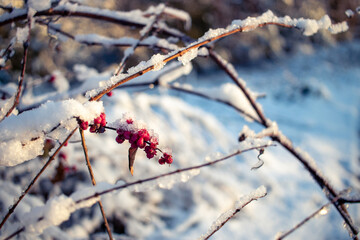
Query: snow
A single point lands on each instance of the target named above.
(22, 34)
(349, 13)
(256, 194)
(39, 5)
(188, 56)
(179, 14)
(339, 27)
(23, 136)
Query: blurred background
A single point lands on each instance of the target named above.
(245, 49)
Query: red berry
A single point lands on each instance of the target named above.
(140, 143)
(162, 161)
(97, 120)
(84, 125)
(52, 79)
(62, 156)
(109, 94)
(127, 135)
(93, 128)
(134, 137)
(119, 139)
(120, 131)
(103, 122)
(129, 121)
(65, 144)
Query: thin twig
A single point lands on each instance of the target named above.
(22, 75)
(11, 210)
(92, 13)
(93, 181)
(297, 226)
(97, 194)
(180, 53)
(285, 142)
(148, 27)
(237, 210)
(172, 173)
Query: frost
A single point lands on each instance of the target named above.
(22, 34)
(240, 204)
(39, 5)
(188, 56)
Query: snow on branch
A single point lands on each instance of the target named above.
(188, 53)
(23, 136)
(225, 217)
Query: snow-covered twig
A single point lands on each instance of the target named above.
(186, 54)
(283, 235)
(225, 217)
(238, 152)
(133, 18)
(12, 208)
(93, 181)
(307, 162)
(143, 33)
(16, 99)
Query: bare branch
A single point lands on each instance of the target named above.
(11, 209)
(93, 181)
(225, 217)
(297, 226)
(97, 194)
(285, 142)
(22, 75)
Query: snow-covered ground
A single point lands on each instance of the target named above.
(313, 97)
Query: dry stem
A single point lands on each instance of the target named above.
(93, 181)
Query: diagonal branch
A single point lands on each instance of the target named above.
(225, 217)
(93, 181)
(22, 75)
(143, 33)
(285, 142)
(297, 226)
(12, 208)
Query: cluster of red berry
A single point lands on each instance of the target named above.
(141, 139)
(98, 126)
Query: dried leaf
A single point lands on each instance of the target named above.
(132, 154)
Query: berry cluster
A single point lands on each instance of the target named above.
(139, 137)
(98, 126)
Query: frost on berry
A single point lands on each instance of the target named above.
(139, 136)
